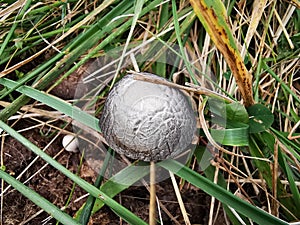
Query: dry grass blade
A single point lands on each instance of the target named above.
(255, 19)
(6, 12)
(179, 198)
(290, 136)
(213, 200)
(275, 171)
(282, 27)
(295, 3)
(193, 88)
(137, 11)
(214, 19)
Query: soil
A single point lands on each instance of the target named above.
(55, 187)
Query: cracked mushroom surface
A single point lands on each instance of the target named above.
(147, 121)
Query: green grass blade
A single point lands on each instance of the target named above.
(90, 202)
(286, 168)
(293, 147)
(120, 182)
(13, 27)
(38, 200)
(263, 167)
(224, 196)
(56, 103)
(177, 32)
(231, 137)
(116, 207)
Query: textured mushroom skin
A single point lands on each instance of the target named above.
(147, 121)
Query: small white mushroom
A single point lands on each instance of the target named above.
(70, 143)
(147, 121)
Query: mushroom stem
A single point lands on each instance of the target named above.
(152, 214)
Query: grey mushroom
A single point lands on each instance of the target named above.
(147, 121)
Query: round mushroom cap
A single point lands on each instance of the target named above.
(70, 143)
(147, 121)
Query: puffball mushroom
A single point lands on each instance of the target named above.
(70, 143)
(147, 121)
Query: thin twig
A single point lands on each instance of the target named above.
(180, 202)
(152, 207)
